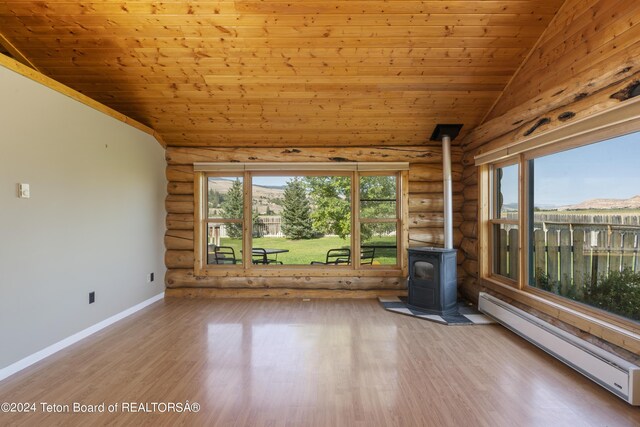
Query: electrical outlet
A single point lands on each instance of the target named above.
(23, 191)
(92, 297)
(150, 277)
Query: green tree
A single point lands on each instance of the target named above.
(258, 224)
(296, 212)
(331, 198)
(232, 208)
(215, 198)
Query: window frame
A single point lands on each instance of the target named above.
(202, 220)
(606, 125)
(397, 220)
(247, 171)
(296, 173)
(494, 220)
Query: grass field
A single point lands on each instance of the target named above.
(303, 252)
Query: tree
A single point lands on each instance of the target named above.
(215, 198)
(331, 198)
(258, 224)
(377, 200)
(296, 212)
(232, 208)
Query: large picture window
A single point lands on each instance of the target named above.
(297, 219)
(577, 228)
(585, 225)
(267, 218)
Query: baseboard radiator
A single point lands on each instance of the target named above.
(610, 371)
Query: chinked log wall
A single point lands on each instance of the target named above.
(425, 208)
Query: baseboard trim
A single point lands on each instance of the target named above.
(280, 293)
(54, 348)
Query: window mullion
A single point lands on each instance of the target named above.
(247, 217)
(200, 236)
(355, 221)
(523, 218)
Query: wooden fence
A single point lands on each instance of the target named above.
(570, 253)
(267, 226)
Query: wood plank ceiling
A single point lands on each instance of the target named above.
(276, 73)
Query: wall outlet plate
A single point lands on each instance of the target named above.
(24, 191)
(92, 297)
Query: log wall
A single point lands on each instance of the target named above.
(426, 217)
(587, 61)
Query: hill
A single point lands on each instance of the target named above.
(263, 197)
(604, 204)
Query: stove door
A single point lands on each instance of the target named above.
(424, 270)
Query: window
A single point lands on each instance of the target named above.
(379, 220)
(586, 225)
(260, 217)
(224, 224)
(578, 225)
(505, 241)
(297, 219)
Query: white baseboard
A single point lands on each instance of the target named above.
(54, 348)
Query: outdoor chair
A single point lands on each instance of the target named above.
(336, 257)
(259, 256)
(223, 255)
(367, 255)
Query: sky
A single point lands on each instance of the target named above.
(605, 170)
(271, 180)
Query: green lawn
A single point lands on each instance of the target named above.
(303, 252)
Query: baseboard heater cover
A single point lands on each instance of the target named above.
(608, 370)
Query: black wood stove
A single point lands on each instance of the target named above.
(432, 280)
(432, 271)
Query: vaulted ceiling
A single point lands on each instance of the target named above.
(278, 73)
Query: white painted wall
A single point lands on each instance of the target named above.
(94, 222)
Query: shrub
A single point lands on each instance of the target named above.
(616, 292)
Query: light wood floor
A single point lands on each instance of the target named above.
(319, 363)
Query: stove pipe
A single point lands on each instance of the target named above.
(448, 194)
(447, 133)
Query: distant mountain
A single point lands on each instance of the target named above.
(263, 196)
(603, 204)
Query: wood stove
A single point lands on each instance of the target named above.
(432, 271)
(432, 280)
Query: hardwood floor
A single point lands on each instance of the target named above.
(319, 363)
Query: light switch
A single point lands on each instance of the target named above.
(23, 191)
